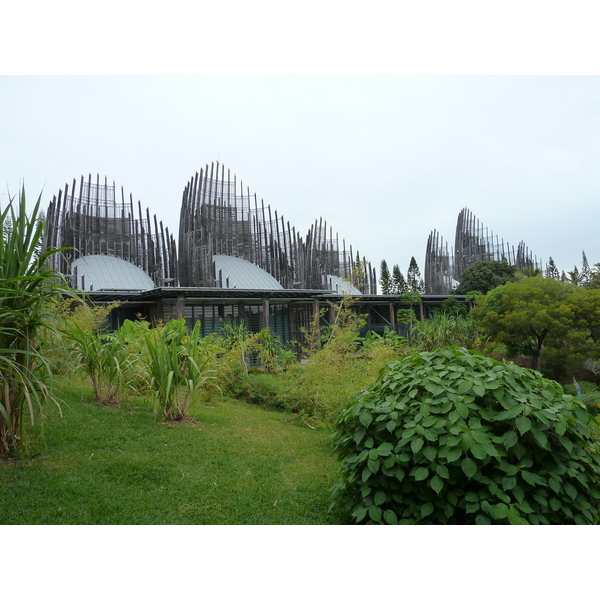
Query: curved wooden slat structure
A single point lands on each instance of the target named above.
(473, 242)
(90, 221)
(219, 217)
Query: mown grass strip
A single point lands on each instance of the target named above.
(237, 464)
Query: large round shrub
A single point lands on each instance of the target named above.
(451, 437)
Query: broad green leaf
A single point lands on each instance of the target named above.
(554, 485)
(453, 417)
(430, 453)
(469, 467)
(514, 517)
(479, 451)
(472, 497)
(416, 444)
(454, 454)
(389, 516)
(427, 509)
(567, 443)
(380, 497)
(464, 386)
(513, 411)
(436, 484)
(375, 513)
(442, 471)
(510, 439)
(523, 424)
(480, 436)
(560, 428)
(360, 513)
(508, 483)
(482, 519)
(555, 504)
(462, 410)
(421, 473)
(365, 418)
(431, 435)
(570, 489)
(540, 437)
(373, 465)
(385, 449)
(501, 511)
(466, 441)
(532, 478)
(430, 421)
(360, 433)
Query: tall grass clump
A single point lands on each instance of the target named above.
(446, 329)
(28, 293)
(98, 354)
(177, 363)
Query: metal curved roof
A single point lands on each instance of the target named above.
(234, 272)
(341, 286)
(100, 272)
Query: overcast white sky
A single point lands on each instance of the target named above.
(384, 159)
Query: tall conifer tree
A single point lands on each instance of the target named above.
(385, 280)
(398, 281)
(414, 281)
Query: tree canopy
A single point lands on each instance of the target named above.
(541, 316)
(484, 276)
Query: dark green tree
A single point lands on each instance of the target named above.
(414, 282)
(586, 272)
(398, 281)
(528, 316)
(484, 276)
(552, 270)
(451, 306)
(385, 281)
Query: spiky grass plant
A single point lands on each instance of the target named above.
(28, 291)
(93, 351)
(177, 366)
(445, 329)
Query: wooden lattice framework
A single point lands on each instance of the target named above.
(91, 221)
(219, 217)
(473, 242)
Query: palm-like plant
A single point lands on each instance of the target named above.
(177, 367)
(28, 289)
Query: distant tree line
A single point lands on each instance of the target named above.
(395, 283)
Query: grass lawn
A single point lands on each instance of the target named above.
(238, 464)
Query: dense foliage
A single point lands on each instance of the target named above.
(450, 437)
(555, 323)
(484, 276)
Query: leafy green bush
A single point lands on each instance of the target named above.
(450, 437)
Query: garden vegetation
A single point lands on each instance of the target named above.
(437, 426)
